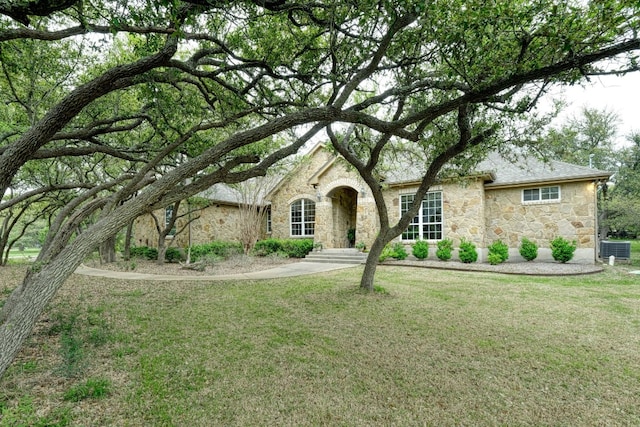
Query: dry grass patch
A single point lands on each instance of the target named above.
(439, 348)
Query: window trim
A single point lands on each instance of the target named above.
(421, 224)
(303, 214)
(541, 196)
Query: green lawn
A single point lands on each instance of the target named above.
(25, 254)
(635, 252)
(433, 348)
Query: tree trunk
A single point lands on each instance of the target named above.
(108, 250)
(368, 275)
(127, 242)
(162, 249)
(24, 306)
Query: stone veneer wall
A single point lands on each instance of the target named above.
(463, 213)
(216, 222)
(573, 217)
(296, 185)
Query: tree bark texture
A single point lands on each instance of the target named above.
(368, 275)
(108, 250)
(127, 242)
(22, 310)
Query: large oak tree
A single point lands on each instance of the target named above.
(214, 90)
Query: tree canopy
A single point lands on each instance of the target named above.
(142, 104)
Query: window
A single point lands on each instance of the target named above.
(427, 224)
(168, 214)
(303, 217)
(268, 214)
(541, 194)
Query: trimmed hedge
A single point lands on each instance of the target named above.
(218, 248)
(467, 252)
(144, 252)
(445, 248)
(528, 249)
(395, 251)
(293, 248)
(562, 250)
(173, 255)
(399, 251)
(420, 249)
(498, 252)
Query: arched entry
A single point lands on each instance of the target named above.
(344, 207)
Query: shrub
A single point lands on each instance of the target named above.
(494, 258)
(399, 251)
(293, 248)
(528, 249)
(216, 248)
(297, 248)
(467, 252)
(144, 252)
(445, 248)
(173, 255)
(420, 249)
(387, 252)
(500, 250)
(267, 247)
(562, 250)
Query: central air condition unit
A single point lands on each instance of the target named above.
(617, 249)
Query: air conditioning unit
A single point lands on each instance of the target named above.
(617, 249)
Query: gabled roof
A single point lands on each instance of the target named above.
(500, 172)
(221, 193)
(535, 171)
(495, 170)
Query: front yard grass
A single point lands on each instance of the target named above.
(434, 348)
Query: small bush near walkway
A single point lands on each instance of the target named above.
(293, 248)
(395, 251)
(144, 252)
(217, 248)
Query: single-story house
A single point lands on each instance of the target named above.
(324, 199)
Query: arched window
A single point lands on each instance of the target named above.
(303, 217)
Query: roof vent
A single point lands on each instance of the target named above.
(617, 249)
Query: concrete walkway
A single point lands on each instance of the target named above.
(286, 270)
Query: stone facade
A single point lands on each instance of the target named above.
(463, 212)
(341, 201)
(480, 209)
(509, 219)
(217, 222)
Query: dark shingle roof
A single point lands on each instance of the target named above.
(531, 170)
(221, 193)
(504, 172)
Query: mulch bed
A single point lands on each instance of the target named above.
(521, 268)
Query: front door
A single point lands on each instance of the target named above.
(344, 202)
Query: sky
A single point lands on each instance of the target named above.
(617, 94)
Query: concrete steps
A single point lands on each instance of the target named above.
(337, 256)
